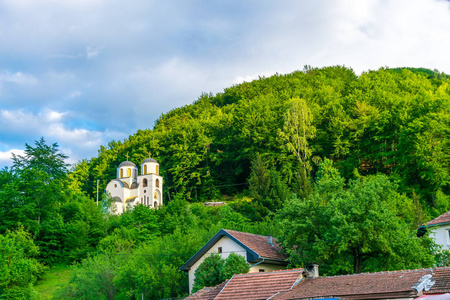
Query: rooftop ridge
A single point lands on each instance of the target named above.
(271, 272)
(242, 232)
(381, 272)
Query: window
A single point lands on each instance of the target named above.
(135, 173)
(121, 173)
(219, 250)
(157, 170)
(128, 172)
(261, 270)
(145, 183)
(115, 186)
(155, 204)
(155, 195)
(157, 183)
(145, 169)
(145, 191)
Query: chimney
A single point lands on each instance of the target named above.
(270, 237)
(311, 271)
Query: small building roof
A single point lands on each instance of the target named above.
(127, 164)
(442, 219)
(359, 286)
(261, 285)
(257, 247)
(442, 281)
(207, 293)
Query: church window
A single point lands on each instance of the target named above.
(135, 173)
(155, 195)
(121, 173)
(145, 169)
(128, 172)
(157, 183)
(157, 170)
(115, 186)
(145, 191)
(145, 182)
(155, 204)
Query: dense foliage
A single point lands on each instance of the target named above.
(215, 270)
(341, 168)
(394, 122)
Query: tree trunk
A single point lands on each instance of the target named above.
(357, 260)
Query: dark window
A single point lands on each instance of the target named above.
(144, 182)
(219, 249)
(261, 270)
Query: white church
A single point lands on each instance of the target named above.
(130, 189)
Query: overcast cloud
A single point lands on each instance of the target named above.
(84, 72)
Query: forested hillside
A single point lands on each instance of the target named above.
(393, 122)
(341, 168)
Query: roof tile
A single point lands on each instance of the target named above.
(260, 244)
(444, 218)
(262, 285)
(357, 284)
(442, 281)
(207, 293)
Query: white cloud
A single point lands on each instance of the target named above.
(5, 157)
(72, 68)
(19, 78)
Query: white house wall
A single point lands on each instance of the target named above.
(266, 268)
(440, 235)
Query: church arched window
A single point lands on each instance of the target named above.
(155, 204)
(135, 173)
(121, 173)
(145, 169)
(128, 172)
(145, 183)
(155, 195)
(157, 183)
(157, 170)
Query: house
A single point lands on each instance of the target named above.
(130, 189)
(251, 286)
(261, 252)
(439, 229)
(426, 284)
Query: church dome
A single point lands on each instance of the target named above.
(149, 160)
(127, 164)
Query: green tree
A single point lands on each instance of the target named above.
(92, 279)
(234, 264)
(19, 267)
(298, 130)
(209, 272)
(357, 228)
(42, 157)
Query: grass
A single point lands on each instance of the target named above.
(52, 279)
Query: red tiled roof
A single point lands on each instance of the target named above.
(445, 218)
(357, 285)
(441, 277)
(253, 286)
(207, 293)
(259, 244)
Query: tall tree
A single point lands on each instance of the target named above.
(298, 130)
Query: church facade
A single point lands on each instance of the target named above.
(130, 189)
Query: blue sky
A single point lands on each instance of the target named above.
(84, 72)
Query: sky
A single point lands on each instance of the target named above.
(82, 73)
